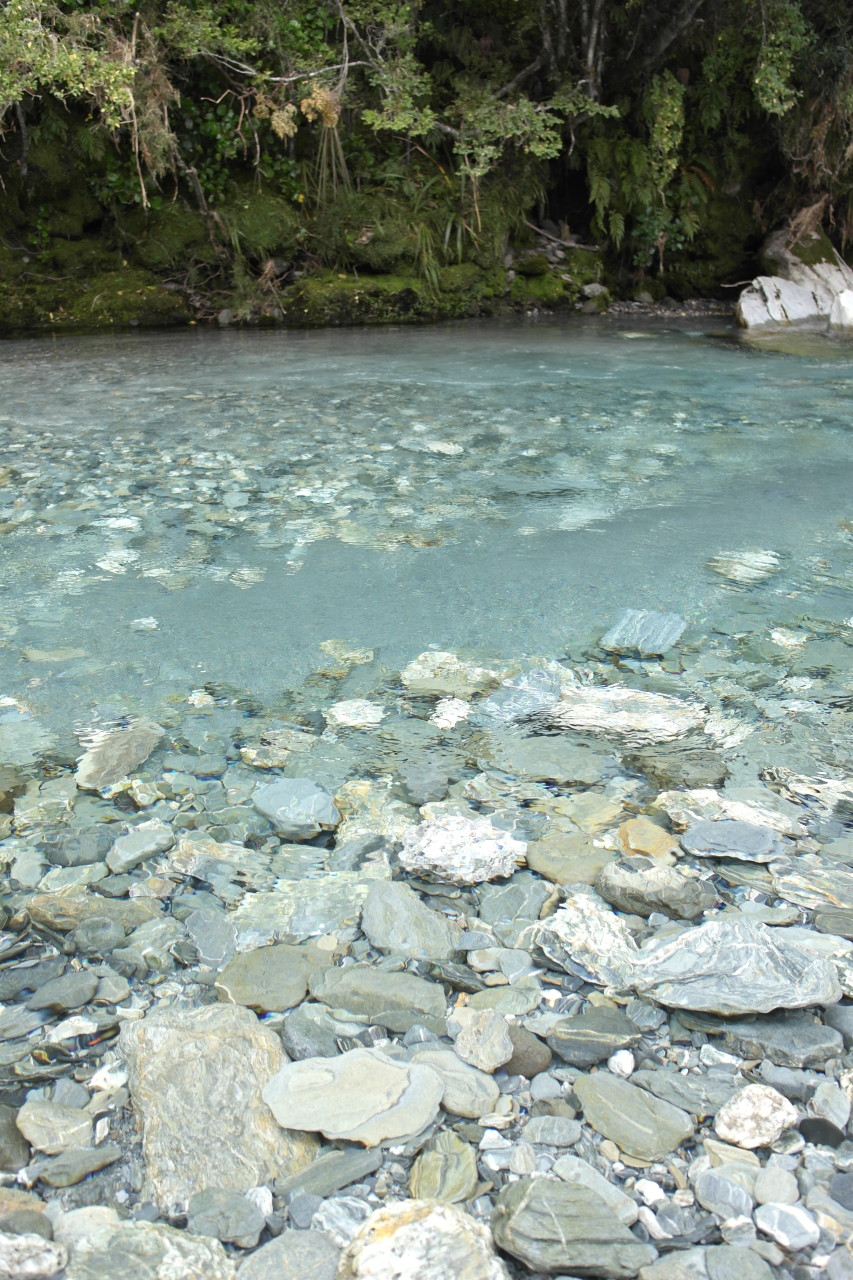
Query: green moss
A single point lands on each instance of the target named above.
(84, 258)
(173, 236)
(814, 249)
(331, 298)
(262, 224)
(112, 299)
(540, 291)
(536, 264)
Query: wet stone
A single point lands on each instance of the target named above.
(458, 850)
(394, 919)
(557, 1226)
(115, 754)
(78, 848)
(679, 767)
(545, 759)
(641, 887)
(64, 994)
(297, 808)
(839, 922)
(268, 979)
(97, 936)
(592, 1037)
(729, 838)
(788, 1042)
(225, 1216)
(142, 842)
(644, 632)
(734, 966)
(640, 1124)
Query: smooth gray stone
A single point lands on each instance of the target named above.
(787, 1081)
(840, 1016)
(546, 759)
(565, 1227)
(28, 977)
(671, 767)
(67, 993)
(79, 848)
(76, 1163)
(591, 1037)
(395, 920)
(294, 1255)
(552, 1131)
(729, 838)
(117, 754)
(523, 898)
(641, 886)
(467, 1091)
(700, 1096)
(97, 936)
(214, 936)
(839, 922)
(419, 785)
(733, 1262)
(269, 979)
(788, 1224)
(640, 1124)
(330, 1173)
(14, 1148)
(776, 1186)
(396, 1001)
(297, 808)
(787, 1042)
(721, 1195)
(361, 1096)
(340, 1217)
(26, 1222)
(310, 1031)
(225, 1216)
(734, 966)
(643, 631)
(573, 1169)
(144, 841)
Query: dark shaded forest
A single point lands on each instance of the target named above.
(327, 161)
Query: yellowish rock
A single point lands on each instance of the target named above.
(642, 835)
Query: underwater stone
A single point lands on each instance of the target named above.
(297, 808)
(643, 631)
(637, 716)
(461, 850)
(729, 838)
(114, 754)
(734, 966)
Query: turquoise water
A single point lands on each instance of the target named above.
(189, 507)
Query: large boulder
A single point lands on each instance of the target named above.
(806, 284)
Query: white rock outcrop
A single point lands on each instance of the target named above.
(811, 286)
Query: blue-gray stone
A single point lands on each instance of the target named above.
(643, 631)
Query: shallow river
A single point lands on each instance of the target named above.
(204, 506)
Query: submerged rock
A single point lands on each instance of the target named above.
(586, 938)
(445, 674)
(643, 631)
(728, 838)
(297, 808)
(461, 850)
(635, 716)
(745, 567)
(114, 754)
(734, 966)
(395, 920)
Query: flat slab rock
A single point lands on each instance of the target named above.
(421, 1238)
(565, 1227)
(361, 1096)
(734, 966)
(640, 1124)
(113, 755)
(643, 631)
(392, 1000)
(730, 838)
(294, 1255)
(787, 1042)
(195, 1078)
(394, 919)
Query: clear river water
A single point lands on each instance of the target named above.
(189, 507)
